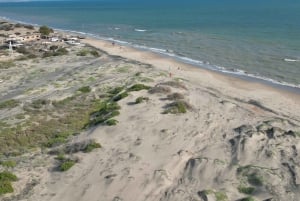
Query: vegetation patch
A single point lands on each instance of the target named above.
(8, 164)
(120, 96)
(247, 199)
(85, 89)
(106, 111)
(39, 103)
(9, 104)
(141, 99)
(160, 89)
(83, 146)
(5, 182)
(177, 107)
(66, 165)
(7, 64)
(252, 175)
(111, 122)
(246, 190)
(138, 87)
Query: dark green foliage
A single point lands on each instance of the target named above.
(141, 99)
(177, 107)
(221, 196)
(107, 110)
(22, 50)
(28, 26)
(8, 164)
(58, 139)
(7, 176)
(255, 179)
(60, 51)
(5, 187)
(138, 87)
(247, 199)
(44, 30)
(66, 165)
(116, 90)
(85, 89)
(120, 96)
(9, 104)
(94, 53)
(82, 53)
(39, 103)
(91, 146)
(111, 122)
(246, 190)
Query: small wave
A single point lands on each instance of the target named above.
(291, 60)
(140, 30)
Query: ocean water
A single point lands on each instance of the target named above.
(257, 38)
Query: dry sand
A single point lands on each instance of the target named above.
(237, 134)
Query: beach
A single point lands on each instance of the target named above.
(189, 134)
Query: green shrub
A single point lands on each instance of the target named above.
(8, 164)
(94, 53)
(5, 187)
(255, 179)
(111, 122)
(60, 52)
(116, 90)
(246, 190)
(82, 53)
(120, 96)
(247, 199)
(85, 89)
(56, 141)
(141, 99)
(138, 87)
(9, 104)
(177, 107)
(91, 146)
(7, 176)
(66, 165)
(221, 196)
(44, 30)
(39, 103)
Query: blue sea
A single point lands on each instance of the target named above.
(256, 38)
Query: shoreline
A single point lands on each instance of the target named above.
(236, 73)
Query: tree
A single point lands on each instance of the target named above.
(44, 30)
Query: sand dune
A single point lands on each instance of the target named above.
(235, 136)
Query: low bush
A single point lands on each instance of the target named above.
(5, 187)
(82, 53)
(111, 122)
(9, 104)
(141, 99)
(138, 87)
(85, 89)
(120, 96)
(247, 199)
(83, 146)
(8, 164)
(7, 176)
(246, 190)
(66, 165)
(95, 53)
(177, 107)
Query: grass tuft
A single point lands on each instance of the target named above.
(85, 89)
(9, 104)
(246, 190)
(138, 87)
